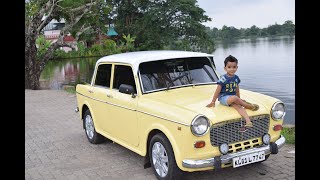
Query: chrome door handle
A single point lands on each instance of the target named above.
(109, 96)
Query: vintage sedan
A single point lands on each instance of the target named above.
(154, 103)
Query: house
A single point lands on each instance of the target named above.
(52, 31)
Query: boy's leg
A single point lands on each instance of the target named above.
(238, 101)
(242, 112)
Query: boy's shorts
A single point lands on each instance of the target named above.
(223, 100)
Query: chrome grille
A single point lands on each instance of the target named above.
(228, 132)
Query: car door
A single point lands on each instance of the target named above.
(100, 91)
(124, 117)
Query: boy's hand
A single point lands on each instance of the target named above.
(212, 104)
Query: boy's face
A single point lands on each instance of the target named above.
(231, 68)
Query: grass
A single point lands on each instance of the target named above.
(70, 89)
(289, 133)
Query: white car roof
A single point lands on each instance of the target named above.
(137, 57)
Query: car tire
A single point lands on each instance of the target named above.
(162, 158)
(90, 130)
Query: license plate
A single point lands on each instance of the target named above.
(248, 159)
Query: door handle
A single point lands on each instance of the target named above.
(90, 91)
(109, 96)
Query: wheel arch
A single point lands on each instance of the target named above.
(169, 136)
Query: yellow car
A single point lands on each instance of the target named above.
(154, 103)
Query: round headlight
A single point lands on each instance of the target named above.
(278, 111)
(266, 138)
(199, 125)
(224, 148)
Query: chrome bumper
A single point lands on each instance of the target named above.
(228, 157)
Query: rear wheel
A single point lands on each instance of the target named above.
(162, 158)
(92, 135)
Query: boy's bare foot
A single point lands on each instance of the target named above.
(254, 107)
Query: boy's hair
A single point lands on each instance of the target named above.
(230, 59)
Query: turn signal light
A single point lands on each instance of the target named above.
(277, 127)
(199, 144)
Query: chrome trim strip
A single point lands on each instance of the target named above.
(203, 163)
(135, 110)
(163, 118)
(121, 106)
(93, 98)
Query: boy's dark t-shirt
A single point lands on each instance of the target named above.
(229, 85)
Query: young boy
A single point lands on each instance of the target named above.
(228, 93)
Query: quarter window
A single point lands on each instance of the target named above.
(103, 75)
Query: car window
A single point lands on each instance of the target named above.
(103, 75)
(164, 74)
(123, 75)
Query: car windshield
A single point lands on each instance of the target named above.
(172, 73)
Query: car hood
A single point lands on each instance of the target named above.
(194, 99)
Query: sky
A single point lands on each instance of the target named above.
(246, 13)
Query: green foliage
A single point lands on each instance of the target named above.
(129, 44)
(289, 133)
(107, 47)
(42, 45)
(81, 49)
(157, 24)
(228, 33)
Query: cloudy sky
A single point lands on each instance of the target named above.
(245, 13)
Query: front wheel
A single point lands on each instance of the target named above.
(162, 158)
(92, 135)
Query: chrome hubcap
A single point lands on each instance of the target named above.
(89, 127)
(160, 159)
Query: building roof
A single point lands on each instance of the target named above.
(135, 58)
(111, 32)
(68, 38)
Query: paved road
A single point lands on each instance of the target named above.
(56, 148)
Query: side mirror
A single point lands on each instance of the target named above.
(127, 89)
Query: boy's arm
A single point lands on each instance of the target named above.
(215, 96)
(238, 91)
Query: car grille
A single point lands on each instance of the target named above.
(228, 132)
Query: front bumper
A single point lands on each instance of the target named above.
(211, 162)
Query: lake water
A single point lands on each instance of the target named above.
(266, 65)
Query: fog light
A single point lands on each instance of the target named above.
(224, 148)
(266, 139)
(199, 144)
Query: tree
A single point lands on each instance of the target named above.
(288, 28)
(158, 23)
(254, 31)
(274, 29)
(39, 13)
